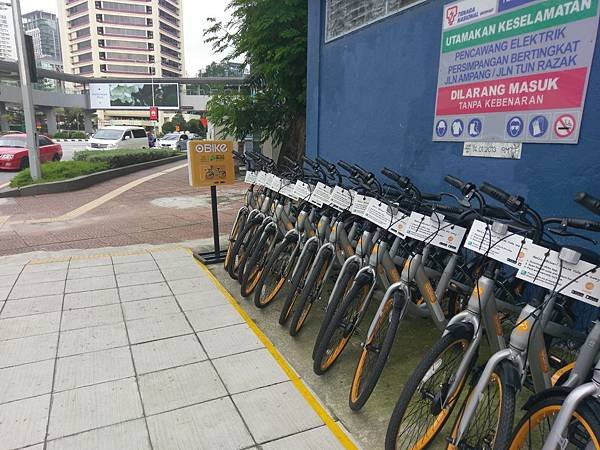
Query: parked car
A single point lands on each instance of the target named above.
(118, 137)
(13, 151)
(169, 140)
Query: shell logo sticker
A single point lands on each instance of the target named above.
(523, 326)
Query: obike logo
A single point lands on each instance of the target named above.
(589, 286)
(451, 14)
(211, 148)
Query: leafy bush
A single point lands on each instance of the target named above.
(77, 135)
(61, 135)
(121, 158)
(56, 171)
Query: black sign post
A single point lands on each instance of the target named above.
(218, 255)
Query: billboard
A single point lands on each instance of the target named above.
(514, 70)
(134, 95)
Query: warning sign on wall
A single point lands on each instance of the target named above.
(514, 70)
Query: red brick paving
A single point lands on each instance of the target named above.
(130, 218)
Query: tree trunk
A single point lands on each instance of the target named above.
(295, 140)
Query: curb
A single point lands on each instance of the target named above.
(69, 140)
(85, 181)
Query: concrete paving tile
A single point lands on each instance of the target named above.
(210, 425)
(130, 435)
(229, 340)
(4, 291)
(91, 298)
(23, 422)
(123, 259)
(10, 269)
(78, 263)
(92, 339)
(28, 349)
(250, 370)
(132, 279)
(199, 300)
(42, 277)
(316, 439)
(37, 289)
(18, 327)
(180, 386)
(167, 353)
(34, 447)
(91, 284)
(45, 267)
(94, 406)
(191, 270)
(141, 292)
(152, 328)
(275, 411)
(91, 317)
(174, 263)
(29, 306)
(93, 368)
(28, 380)
(8, 280)
(140, 309)
(135, 267)
(89, 272)
(197, 284)
(177, 252)
(214, 317)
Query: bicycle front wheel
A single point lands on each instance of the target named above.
(424, 407)
(583, 431)
(492, 421)
(235, 231)
(276, 273)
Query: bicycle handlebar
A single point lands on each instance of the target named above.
(495, 192)
(403, 182)
(589, 202)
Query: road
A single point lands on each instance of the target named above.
(68, 149)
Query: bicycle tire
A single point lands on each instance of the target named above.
(235, 231)
(277, 267)
(251, 248)
(239, 249)
(345, 281)
(497, 424)
(296, 283)
(366, 376)
(416, 392)
(326, 353)
(314, 282)
(257, 262)
(584, 422)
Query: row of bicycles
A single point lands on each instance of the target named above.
(513, 295)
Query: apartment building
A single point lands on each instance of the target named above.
(117, 38)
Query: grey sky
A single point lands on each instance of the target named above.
(197, 53)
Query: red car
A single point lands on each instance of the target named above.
(13, 154)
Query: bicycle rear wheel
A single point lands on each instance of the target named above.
(492, 422)
(235, 231)
(312, 288)
(583, 431)
(257, 262)
(240, 249)
(375, 353)
(342, 326)
(276, 273)
(423, 408)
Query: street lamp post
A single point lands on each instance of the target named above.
(27, 93)
(154, 122)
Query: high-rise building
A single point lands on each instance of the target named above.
(43, 28)
(122, 38)
(8, 47)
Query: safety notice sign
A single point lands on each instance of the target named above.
(514, 70)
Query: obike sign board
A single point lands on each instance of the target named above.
(210, 163)
(514, 70)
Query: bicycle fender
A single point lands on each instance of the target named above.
(550, 392)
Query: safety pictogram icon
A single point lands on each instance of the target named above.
(565, 125)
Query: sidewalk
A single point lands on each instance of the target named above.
(141, 348)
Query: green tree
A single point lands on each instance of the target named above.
(168, 127)
(195, 126)
(270, 36)
(178, 120)
(214, 69)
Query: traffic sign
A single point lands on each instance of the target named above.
(514, 127)
(565, 125)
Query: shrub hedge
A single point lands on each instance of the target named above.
(121, 158)
(57, 171)
(70, 135)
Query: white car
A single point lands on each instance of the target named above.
(112, 138)
(169, 140)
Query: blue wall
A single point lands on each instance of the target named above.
(371, 99)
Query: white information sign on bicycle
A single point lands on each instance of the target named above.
(340, 199)
(509, 248)
(360, 203)
(269, 180)
(261, 178)
(302, 190)
(287, 189)
(320, 195)
(379, 213)
(435, 231)
(250, 177)
(543, 266)
(275, 183)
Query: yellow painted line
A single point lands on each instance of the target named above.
(304, 391)
(77, 212)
